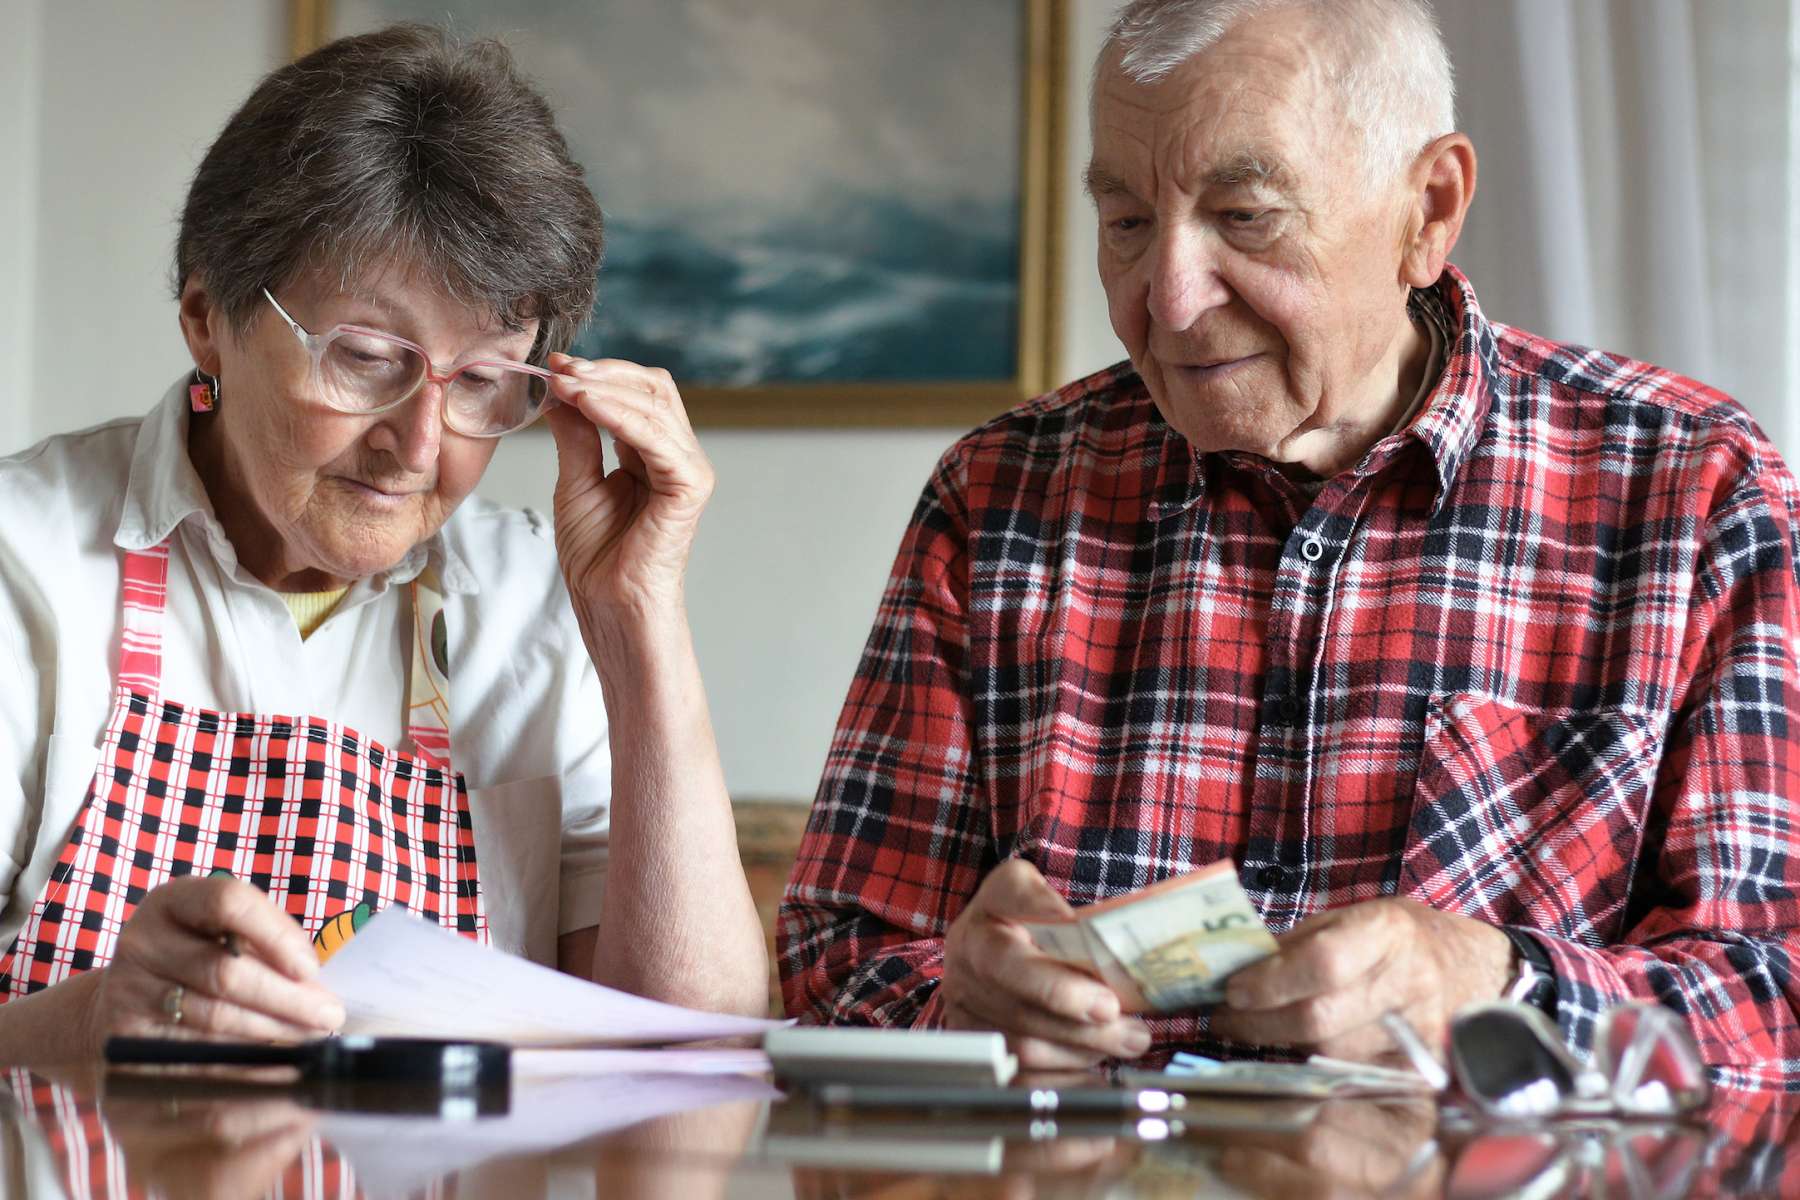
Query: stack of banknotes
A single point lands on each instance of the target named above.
(1167, 947)
(1171, 947)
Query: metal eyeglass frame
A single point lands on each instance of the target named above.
(1567, 1087)
(316, 344)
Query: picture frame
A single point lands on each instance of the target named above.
(865, 397)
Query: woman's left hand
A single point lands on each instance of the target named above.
(623, 536)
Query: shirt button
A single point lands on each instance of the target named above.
(1312, 549)
(1288, 707)
(1271, 877)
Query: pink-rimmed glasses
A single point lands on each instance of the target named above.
(366, 372)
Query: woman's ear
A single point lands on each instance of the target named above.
(1442, 184)
(202, 325)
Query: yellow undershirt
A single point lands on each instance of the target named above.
(311, 608)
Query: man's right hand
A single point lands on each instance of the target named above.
(1054, 1016)
(243, 968)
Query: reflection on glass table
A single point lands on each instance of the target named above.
(733, 1136)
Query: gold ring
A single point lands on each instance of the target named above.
(172, 1004)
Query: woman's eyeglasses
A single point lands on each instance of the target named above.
(366, 372)
(1510, 1062)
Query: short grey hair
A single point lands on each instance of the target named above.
(408, 148)
(1395, 77)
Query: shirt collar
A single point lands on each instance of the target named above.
(1452, 418)
(1447, 424)
(1152, 447)
(164, 490)
(1180, 471)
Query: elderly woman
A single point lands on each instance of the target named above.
(323, 680)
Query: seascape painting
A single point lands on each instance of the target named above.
(797, 192)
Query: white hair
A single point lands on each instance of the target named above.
(1394, 70)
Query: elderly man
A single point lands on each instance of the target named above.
(1471, 650)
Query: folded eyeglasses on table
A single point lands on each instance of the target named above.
(1509, 1060)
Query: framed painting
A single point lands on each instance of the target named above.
(818, 212)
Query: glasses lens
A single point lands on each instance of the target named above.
(364, 372)
(1650, 1056)
(488, 399)
(1505, 1065)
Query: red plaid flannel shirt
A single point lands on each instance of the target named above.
(1531, 660)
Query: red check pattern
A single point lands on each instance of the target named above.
(1531, 660)
(153, 1151)
(1755, 1148)
(316, 816)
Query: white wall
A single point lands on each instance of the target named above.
(1087, 341)
(20, 37)
(131, 94)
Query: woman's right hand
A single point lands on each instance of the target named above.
(623, 536)
(244, 969)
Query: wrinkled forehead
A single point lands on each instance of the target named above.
(399, 297)
(407, 291)
(1259, 104)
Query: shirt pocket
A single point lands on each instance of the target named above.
(1530, 816)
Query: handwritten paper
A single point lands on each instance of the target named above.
(402, 976)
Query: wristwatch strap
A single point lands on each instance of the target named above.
(1535, 982)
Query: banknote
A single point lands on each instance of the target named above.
(1075, 943)
(1167, 947)
(1317, 1078)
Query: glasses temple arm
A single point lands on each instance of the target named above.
(1415, 1049)
(299, 332)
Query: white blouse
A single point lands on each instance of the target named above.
(527, 727)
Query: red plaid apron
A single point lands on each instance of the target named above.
(331, 825)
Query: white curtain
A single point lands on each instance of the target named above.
(1639, 179)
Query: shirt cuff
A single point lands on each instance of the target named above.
(1586, 986)
(1537, 974)
(931, 1014)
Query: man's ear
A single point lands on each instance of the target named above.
(202, 325)
(1441, 183)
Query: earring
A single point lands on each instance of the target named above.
(203, 393)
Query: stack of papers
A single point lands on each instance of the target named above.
(583, 1069)
(404, 977)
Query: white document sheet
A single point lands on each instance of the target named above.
(403, 976)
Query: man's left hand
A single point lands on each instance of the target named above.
(1338, 972)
